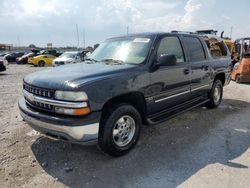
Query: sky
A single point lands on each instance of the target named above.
(24, 22)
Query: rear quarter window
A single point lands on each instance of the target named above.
(217, 48)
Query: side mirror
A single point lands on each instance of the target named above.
(167, 60)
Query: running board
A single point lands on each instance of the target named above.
(172, 112)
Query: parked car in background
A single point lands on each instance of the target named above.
(3, 64)
(41, 60)
(126, 82)
(11, 57)
(4, 54)
(68, 57)
(241, 69)
(51, 52)
(24, 58)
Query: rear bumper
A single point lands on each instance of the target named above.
(83, 130)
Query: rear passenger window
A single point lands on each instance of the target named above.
(171, 46)
(195, 49)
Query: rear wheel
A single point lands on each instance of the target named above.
(237, 79)
(215, 95)
(120, 130)
(41, 63)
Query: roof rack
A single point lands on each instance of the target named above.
(183, 32)
(207, 31)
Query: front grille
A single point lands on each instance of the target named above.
(40, 106)
(46, 93)
(39, 91)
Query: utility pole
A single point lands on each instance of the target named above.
(18, 42)
(77, 35)
(83, 38)
(127, 30)
(231, 32)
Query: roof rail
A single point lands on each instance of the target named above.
(183, 32)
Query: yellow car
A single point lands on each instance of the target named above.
(41, 60)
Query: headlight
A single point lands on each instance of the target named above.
(71, 95)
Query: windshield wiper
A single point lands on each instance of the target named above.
(114, 61)
(91, 60)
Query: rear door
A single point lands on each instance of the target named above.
(170, 85)
(200, 66)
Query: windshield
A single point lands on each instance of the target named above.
(69, 54)
(126, 50)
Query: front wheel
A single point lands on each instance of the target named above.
(215, 95)
(120, 130)
(41, 63)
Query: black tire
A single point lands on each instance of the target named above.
(41, 63)
(214, 99)
(107, 141)
(237, 79)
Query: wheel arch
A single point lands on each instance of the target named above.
(135, 99)
(220, 76)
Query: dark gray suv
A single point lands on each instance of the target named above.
(126, 82)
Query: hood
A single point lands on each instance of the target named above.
(63, 59)
(72, 76)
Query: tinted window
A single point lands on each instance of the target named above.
(195, 49)
(171, 46)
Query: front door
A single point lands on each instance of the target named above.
(170, 85)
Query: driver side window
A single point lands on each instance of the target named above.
(171, 46)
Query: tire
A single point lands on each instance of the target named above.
(237, 79)
(119, 130)
(215, 95)
(41, 63)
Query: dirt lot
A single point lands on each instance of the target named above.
(201, 148)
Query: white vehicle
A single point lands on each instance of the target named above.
(68, 57)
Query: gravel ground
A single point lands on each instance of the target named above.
(201, 148)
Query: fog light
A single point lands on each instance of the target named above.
(70, 111)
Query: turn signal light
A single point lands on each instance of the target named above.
(81, 111)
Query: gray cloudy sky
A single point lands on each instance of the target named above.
(42, 21)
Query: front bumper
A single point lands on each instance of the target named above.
(83, 130)
(2, 67)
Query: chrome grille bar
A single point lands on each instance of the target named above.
(33, 98)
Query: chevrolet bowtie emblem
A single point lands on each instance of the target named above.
(29, 96)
